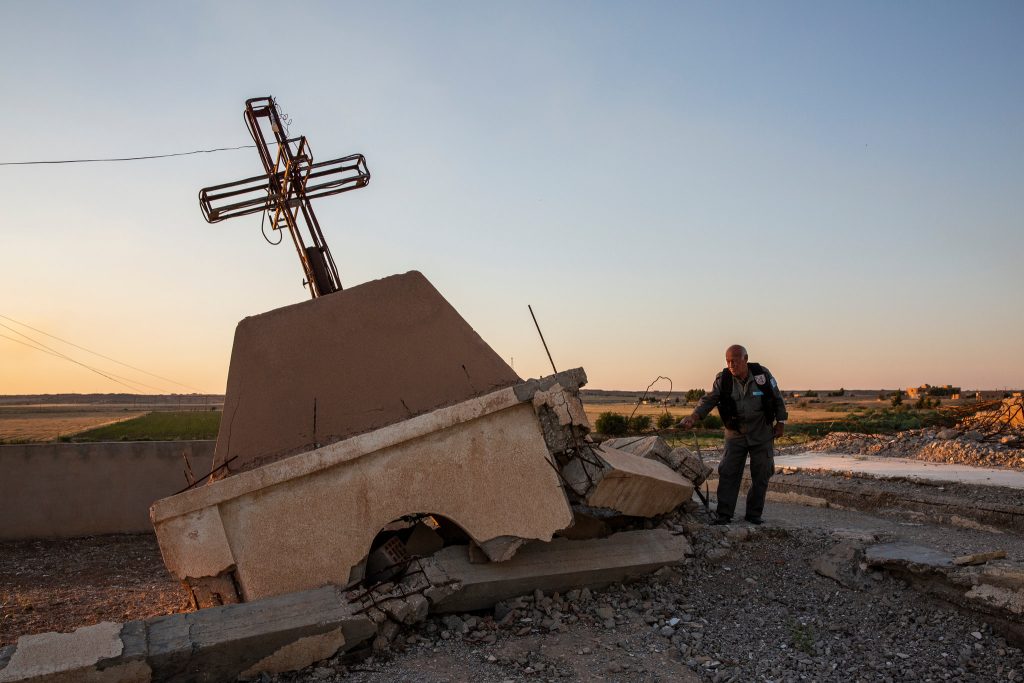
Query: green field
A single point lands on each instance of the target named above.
(157, 426)
(858, 419)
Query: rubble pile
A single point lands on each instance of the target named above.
(947, 445)
(828, 630)
(993, 438)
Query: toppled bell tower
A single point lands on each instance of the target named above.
(371, 428)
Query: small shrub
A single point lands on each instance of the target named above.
(611, 424)
(711, 422)
(666, 420)
(802, 637)
(639, 423)
(897, 398)
(811, 394)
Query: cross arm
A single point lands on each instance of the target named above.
(259, 193)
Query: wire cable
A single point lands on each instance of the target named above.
(109, 375)
(54, 353)
(149, 156)
(96, 353)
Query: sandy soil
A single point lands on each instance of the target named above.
(59, 585)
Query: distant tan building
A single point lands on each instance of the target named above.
(989, 394)
(929, 390)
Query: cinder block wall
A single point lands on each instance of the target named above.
(62, 490)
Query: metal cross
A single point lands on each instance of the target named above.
(290, 182)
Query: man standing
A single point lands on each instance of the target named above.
(754, 414)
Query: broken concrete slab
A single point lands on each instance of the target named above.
(307, 520)
(978, 558)
(75, 656)
(689, 465)
(222, 642)
(297, 655)
(636, 486)
(859, 492)
(994, 591)
(686, 463)
(1000, 588)
(842, 564)
(560, 411)
(650, 447)
(314, 373)
(219, 644)
(560, 565)
(913, 557)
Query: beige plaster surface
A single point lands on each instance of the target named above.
(63, 490)
(298, 654)
(205, 551)
(356, 360)
(72, 657)
(304, 464)
(637, 486)
(305, 521)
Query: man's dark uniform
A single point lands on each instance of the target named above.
(749, 420)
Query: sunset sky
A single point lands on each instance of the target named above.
(838, 186)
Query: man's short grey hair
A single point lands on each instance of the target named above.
(737, 346)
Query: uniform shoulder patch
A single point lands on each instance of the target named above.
(760, 379)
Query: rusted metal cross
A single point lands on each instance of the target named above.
(292, 179)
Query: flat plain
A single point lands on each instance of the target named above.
(24, 424)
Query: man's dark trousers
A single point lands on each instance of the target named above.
(730, 475)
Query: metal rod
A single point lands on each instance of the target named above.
(542, 339)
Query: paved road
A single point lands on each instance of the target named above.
(894, 525)
(902, 467)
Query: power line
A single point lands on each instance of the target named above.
(97, 353)
(59, 355)
(150, 156)
(127, 381)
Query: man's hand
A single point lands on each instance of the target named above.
(688, 422)
(780, 428)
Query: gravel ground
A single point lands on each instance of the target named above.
(748, 607)
(59, 585)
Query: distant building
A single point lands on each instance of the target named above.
(929, 390)
(989, 394)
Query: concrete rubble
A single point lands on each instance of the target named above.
(982, 583)
(681, 459)
(216, 644)
(992, 438)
